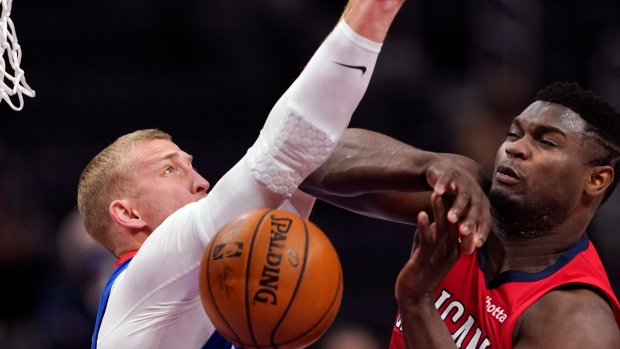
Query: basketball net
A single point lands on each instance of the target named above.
(11, 84)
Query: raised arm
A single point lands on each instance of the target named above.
(306, 123)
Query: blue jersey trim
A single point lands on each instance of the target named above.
(105, 295)
(216, 341)
(520, 276)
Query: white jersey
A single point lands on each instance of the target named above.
(155, 302)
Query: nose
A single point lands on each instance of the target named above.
(200, 185)
(518, 149)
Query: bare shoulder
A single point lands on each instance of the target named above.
(576, 317)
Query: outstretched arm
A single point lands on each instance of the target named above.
(379, 176)
(306, 123)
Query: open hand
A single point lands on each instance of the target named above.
(470, 205)
(437, 251)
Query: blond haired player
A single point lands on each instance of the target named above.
(142, 200)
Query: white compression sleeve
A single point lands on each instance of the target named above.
(308, 120)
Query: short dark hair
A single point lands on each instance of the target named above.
(602, 118)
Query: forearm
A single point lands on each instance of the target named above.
(366, 161)
(423, 328)
(336, 78)
(328, 90)
(392, 206)
(378, 176)
(306, 123)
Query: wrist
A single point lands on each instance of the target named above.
(419, 307)
(437, 165)
(371, 18)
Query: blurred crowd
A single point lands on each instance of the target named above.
(451, 76)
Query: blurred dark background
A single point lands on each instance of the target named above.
(451, 76)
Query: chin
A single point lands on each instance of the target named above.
(520, 215)
(501, 200)
(507, 206)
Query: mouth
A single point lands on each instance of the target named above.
(507, 174)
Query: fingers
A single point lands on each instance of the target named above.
(416, 240)
(445, 231)
(431, 261)
(459, 189)
(470, 206)
(477, 221)
(463, 204)
(465, 196)
(484, 224)
(444, 183)
(425, 235)
(468, 244)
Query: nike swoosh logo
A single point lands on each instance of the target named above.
(359, 67)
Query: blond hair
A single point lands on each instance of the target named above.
(107, 175)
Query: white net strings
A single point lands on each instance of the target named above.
(15, 84)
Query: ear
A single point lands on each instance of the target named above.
(123, 214)
(600, 179)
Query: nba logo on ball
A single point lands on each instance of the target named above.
(271, 279)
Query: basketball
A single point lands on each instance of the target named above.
(270, 279)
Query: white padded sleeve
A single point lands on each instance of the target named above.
(300, 132)
(308, 120)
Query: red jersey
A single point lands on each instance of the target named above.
(482, 313)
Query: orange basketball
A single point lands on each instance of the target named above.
(270, 279)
